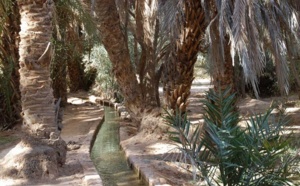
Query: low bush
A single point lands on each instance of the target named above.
(226, 153)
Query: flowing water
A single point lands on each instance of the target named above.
(107, 156)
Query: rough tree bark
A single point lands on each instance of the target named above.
(41, 151)
(224, 78)
(115, 43)
(178, 71)
(147, 28)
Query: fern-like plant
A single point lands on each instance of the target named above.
(226, 153)
(190, 140)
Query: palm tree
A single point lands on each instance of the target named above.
(252, 28)
(186, 34)
(221, 69)
(38, 111)
(147, 36)
(232, 29)
(73, 28)
(139, 95)
(35, 55)
(114, 42)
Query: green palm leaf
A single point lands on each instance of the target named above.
(226, 153)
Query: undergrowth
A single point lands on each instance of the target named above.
(225, 153)
(7, 107)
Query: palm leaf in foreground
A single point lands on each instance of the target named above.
(225, 153)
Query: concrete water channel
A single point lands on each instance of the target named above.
(108, 157)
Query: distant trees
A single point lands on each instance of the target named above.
(156, 54)
(74, 32)
(170, 38)
(9, 55)
(153, 42)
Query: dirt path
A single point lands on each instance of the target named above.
(81, 117)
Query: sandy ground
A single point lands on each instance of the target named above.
(81, 117)
(151, 154)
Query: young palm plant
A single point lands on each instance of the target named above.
(226, 153)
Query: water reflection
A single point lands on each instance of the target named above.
(107, 156)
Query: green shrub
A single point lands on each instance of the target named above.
(228, 154)
(98, 61)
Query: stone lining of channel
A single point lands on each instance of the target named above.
(140, 170)
(91, 175)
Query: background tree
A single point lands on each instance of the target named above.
(140, 18)
(114, 42)
(74, 32)
(235, 30)
(185, 28)
(9, 56)
(146, 34)
(141, 94)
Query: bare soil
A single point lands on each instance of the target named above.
(81, 117)
(149, 151)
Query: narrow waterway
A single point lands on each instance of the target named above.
(107, 156)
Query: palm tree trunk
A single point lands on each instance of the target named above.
(147, 30)
(222, 70)
(45, 151)
(179, 69)
(224, 78)
(114, 42)
(37, 99)
(239, 79)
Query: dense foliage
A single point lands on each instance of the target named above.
(9, 77)
(105, 83)
(226, 152)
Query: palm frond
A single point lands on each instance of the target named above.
(253, 27)
(9, 92)
(191, 147)
(228, 154)
(74, 13)
(271, 13)
(171, 15)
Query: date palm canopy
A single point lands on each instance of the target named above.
(254, 28)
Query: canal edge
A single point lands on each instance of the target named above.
(134, 164)
(91, 175)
